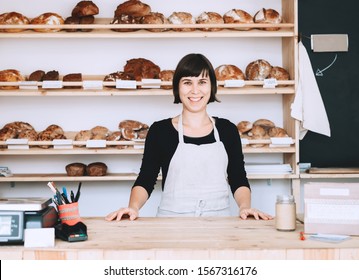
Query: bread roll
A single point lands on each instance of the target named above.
(76, 169)
(244, 126)
(179, 18)
(166, 76)
(133, 8)
(83, 135)
(96, 169)
(29, 134)
(13, 18)
(258, 70)
(212, 18)
(49, 19)
(7, 133)
(19, 126)
(277, 132)
(125, 19)
(51, 76)
(265, 123)
(155, 18)
(229, 72)
(238, 16)
(85, 8)
(268, 16)
(79, 20)
(100, 132)
(11, 75)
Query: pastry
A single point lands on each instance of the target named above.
(229, 72)
(13, 18)
(212, 18)
(238, 16)
(96, 169)
(10, 75)
(179, 18)
(37, 76)
(268, 16)
(155, 18)
(258, 70)
(132, 8)
(48, 19)
(85, 8)
(166, 76)
(76, 169)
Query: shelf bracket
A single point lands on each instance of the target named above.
(269, 182)
(12, 184)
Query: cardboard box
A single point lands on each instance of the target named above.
(331, 208)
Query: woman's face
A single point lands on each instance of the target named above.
(195, 92)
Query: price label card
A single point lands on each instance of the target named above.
(52, 84)
(92, 84)
(96, 144)
(270, 83)
(17, 141)
(151, 83)
(282, 140)
(244, 141)
(234, 83)
(28, 85)
(62, 143)
(124, 84)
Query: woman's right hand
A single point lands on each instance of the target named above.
(126, 212)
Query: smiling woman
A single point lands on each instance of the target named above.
(200, 156)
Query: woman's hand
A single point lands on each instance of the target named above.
(244, 213)
(121, 213)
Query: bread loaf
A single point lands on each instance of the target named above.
(211, 18)
(11, 75)
(37, 76)
(13, 18)
(258, 70)
(132, 8)
(73, 77)
(76, 169)
(268, 16)
(51, 76)
(238, 16)
(229, 72)
(48, 19)
(155, 18)
(141, 68)
(179, 18)
(96, 169)
(125, 19)
(166, 76)
(278, 73)
(244, 126)
(85, 8)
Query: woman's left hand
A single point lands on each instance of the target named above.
(244, 213)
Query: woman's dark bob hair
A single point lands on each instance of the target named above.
(194, 65)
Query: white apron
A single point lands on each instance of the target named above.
(196, 183)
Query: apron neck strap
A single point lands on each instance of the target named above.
(180, 129)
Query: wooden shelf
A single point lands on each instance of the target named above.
(111, 177)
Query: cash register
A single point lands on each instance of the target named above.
(18, 214)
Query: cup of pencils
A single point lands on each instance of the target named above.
(68, 208)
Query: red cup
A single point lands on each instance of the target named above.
(69, 213)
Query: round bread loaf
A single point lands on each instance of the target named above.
(130, 124)
(258, 70)
(229, 72)
(125, 19)
(48, 19)
(212, 18)
(52, 75)
(96, 169)
(265, 123)
(141, 68)
(179, 18)
(268, 16)
(72, 20)
(83, 135)
(238, 16)
(85, 8)
(11, 19)
(76, 169)
(7, 133)
(73, 77)
(166, 76)
(155, 18)
(133, 8)
(29, 134)
(37, 76)
(19, 126)
(279, 73)
(277, 132)
(10, 75)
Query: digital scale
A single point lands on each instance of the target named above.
(16, 214)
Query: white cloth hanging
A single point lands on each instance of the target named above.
(308, 106)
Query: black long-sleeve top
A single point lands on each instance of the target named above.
(161, 144)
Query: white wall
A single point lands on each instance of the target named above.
(102, 56)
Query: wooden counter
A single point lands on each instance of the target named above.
(188, 238)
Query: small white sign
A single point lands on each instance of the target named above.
(234, 83)
(96, 144)
(28, 85)
(125, 84)
(151, 83)
(52, 84)
(270, 83)
(62, 144)
(92, 84)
